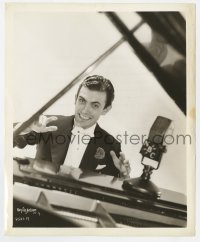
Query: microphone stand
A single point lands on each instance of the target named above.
(152, 149)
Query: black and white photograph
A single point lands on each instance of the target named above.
(100, 110)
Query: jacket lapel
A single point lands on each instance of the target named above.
(91, 159)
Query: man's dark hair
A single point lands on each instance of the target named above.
(101, 84)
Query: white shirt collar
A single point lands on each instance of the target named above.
(78, 130)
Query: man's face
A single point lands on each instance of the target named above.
(89, 107)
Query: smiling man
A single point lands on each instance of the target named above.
(93, 99)
(78, 140)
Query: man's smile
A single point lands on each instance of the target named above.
(83, 117)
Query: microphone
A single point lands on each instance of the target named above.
(152, 151)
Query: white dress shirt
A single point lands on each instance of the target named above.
(78, 144)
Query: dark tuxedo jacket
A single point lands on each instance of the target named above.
(53, 146)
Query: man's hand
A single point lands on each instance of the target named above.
(40, 125)
(121, 164)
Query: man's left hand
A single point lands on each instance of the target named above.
(121, 164)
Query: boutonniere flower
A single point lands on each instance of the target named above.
(100, 153)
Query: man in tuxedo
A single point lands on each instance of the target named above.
(78, 140)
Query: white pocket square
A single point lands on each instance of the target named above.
(100, 167)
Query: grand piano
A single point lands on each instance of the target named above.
(46, 197)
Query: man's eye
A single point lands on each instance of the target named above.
(81, 100)
(95, 106)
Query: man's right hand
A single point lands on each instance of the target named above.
(40, 125)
